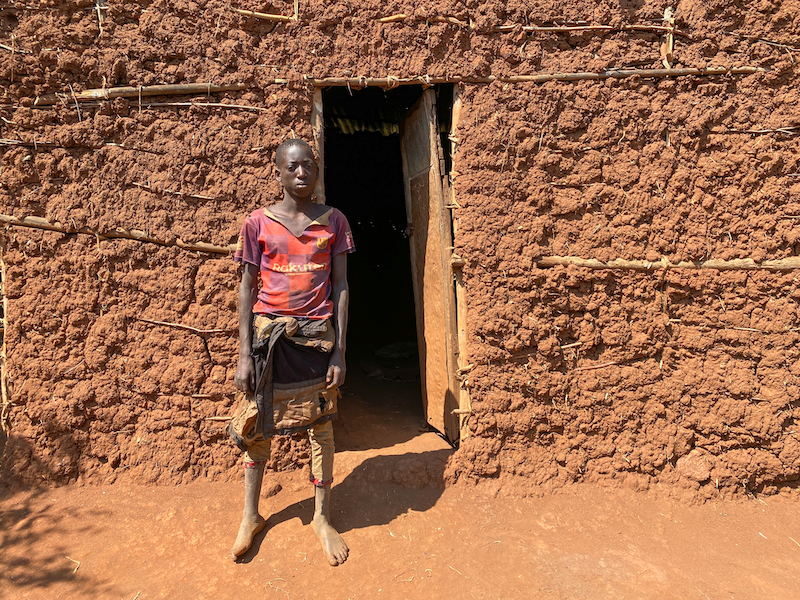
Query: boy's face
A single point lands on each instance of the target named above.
(297, 172)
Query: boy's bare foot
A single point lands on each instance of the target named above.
(333, 545)
(247, 531)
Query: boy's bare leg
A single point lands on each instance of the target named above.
(333, 545)
(252, 522)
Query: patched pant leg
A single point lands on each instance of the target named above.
(322, 448)
(258, 451)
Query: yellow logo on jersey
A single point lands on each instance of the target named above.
(322, 243)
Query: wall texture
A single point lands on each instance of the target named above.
(682, 378)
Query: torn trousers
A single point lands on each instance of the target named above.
(291, 359)
(322, 448)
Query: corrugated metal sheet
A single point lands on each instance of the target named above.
(376, 119)
(370, 110)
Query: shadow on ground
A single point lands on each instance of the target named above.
(29, 520)
(379, 490)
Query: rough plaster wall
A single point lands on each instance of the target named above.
(700, 389)
(99, 393)
(582, 169)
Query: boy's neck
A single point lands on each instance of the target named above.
(292, 205)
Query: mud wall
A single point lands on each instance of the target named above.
(698, 387)
(688, 378)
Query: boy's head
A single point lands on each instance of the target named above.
(280, 153)
(296, 168)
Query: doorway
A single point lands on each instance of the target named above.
(375, 170)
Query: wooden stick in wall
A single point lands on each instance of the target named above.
(624, 73)
(444, 19)
(13, 49)
(139, 92)
(128, 234)
(5, 397)
(34, 144)
(663, 29)
(47, 145)
(393, 18)
(435, 19)
(361, 82)
(205, 104)
(738, 264)
(660, 29)
(388, 82)
(264, 16)
(149, 188)
(200, 332)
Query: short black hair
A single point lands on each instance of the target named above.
(290, 143)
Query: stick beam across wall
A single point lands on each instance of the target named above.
(386, 82)
(138, 92)
(127, 234)
(738, 264)
(390, 82)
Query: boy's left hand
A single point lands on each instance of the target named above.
(336, 370)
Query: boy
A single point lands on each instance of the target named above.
(291, 356)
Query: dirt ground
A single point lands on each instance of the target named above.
(409, 536)
(588, 542)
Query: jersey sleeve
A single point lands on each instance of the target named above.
(248, 250)
(343, 236)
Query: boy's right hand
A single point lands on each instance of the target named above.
(245, 377)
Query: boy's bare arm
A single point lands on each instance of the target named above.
(244, 379)
(340, 295)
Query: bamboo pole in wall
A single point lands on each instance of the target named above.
(138, 92)
(386, 82)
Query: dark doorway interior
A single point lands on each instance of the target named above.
(364, 179)
(363, 172)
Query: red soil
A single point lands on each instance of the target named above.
(408, 536)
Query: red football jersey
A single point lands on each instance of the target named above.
(295, 271)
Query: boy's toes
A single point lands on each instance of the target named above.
(339, 553)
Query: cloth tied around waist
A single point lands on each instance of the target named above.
(291, 359)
